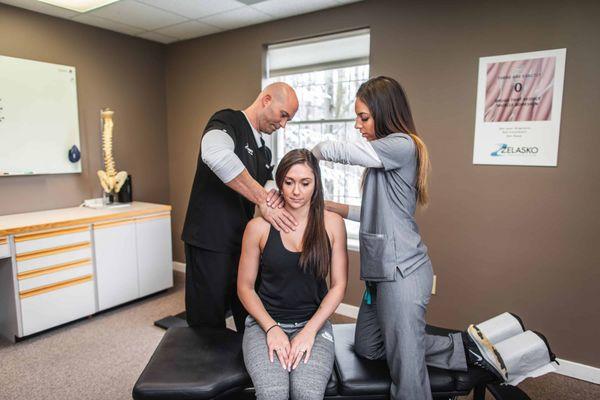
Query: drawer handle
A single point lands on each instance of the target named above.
(159, 216)
(53, 268)
(34, 236)
(114, 223)
(54, 250)
(55, 286)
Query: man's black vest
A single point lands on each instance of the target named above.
(217, 215)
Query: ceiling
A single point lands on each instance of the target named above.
(168, 21)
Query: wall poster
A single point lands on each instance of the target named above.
(519, 100)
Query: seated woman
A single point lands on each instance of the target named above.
(288, 341)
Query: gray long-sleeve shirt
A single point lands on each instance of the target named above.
(354, 153)
(217, 151)
(389, 237)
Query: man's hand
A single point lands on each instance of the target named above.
(275, 199)
(279, 218)
(278, 342)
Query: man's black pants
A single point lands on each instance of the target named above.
(211, 288)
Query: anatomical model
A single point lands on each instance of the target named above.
(110, 179)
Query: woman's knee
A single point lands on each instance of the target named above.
(272, 392)
(305, 391)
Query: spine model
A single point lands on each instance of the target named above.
(110, 179)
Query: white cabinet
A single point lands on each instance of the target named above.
(155, 261)
(70, 263)
(133, 259)
(116, 263)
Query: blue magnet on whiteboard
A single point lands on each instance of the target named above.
(74, 154)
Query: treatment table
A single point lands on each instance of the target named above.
(203, 363)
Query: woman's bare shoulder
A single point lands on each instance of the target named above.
(333, 218)
(257, 226)
(334, 223)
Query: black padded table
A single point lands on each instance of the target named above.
(358, 376)
(194, 363)
(202, 363)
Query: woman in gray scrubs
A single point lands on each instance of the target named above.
(393, 259)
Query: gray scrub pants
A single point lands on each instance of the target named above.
(392, 327)
(272, 382)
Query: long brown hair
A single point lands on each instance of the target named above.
(389, 108)
(316, 249)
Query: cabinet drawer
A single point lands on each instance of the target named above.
(60, 273)
(4, 249)
(57, 304)
(47, 259)
(33, 242)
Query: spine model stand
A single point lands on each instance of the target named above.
(110, 179)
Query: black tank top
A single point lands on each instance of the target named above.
(288, 294)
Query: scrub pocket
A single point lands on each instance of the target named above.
(377, 256)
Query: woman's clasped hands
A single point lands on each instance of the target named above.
(302, 344)
(289, 353)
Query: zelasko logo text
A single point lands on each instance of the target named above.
(506, 150)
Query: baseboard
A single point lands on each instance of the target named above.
(579, 371)
(567, 368)
(347, 310)
(178, 266)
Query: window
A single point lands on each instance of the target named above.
(326, 73)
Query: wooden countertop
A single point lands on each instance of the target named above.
(64, 217)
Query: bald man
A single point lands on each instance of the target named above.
(233, 167)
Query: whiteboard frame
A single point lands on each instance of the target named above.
(77, 166)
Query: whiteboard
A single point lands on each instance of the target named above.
(39, 122)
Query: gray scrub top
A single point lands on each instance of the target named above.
(389, 237)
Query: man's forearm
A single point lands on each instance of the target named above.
(247, 186)
(269, 207)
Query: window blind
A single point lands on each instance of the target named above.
(318, 53)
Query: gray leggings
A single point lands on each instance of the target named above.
(271, 381)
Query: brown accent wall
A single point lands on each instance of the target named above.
(501, 238)
(113, 70)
